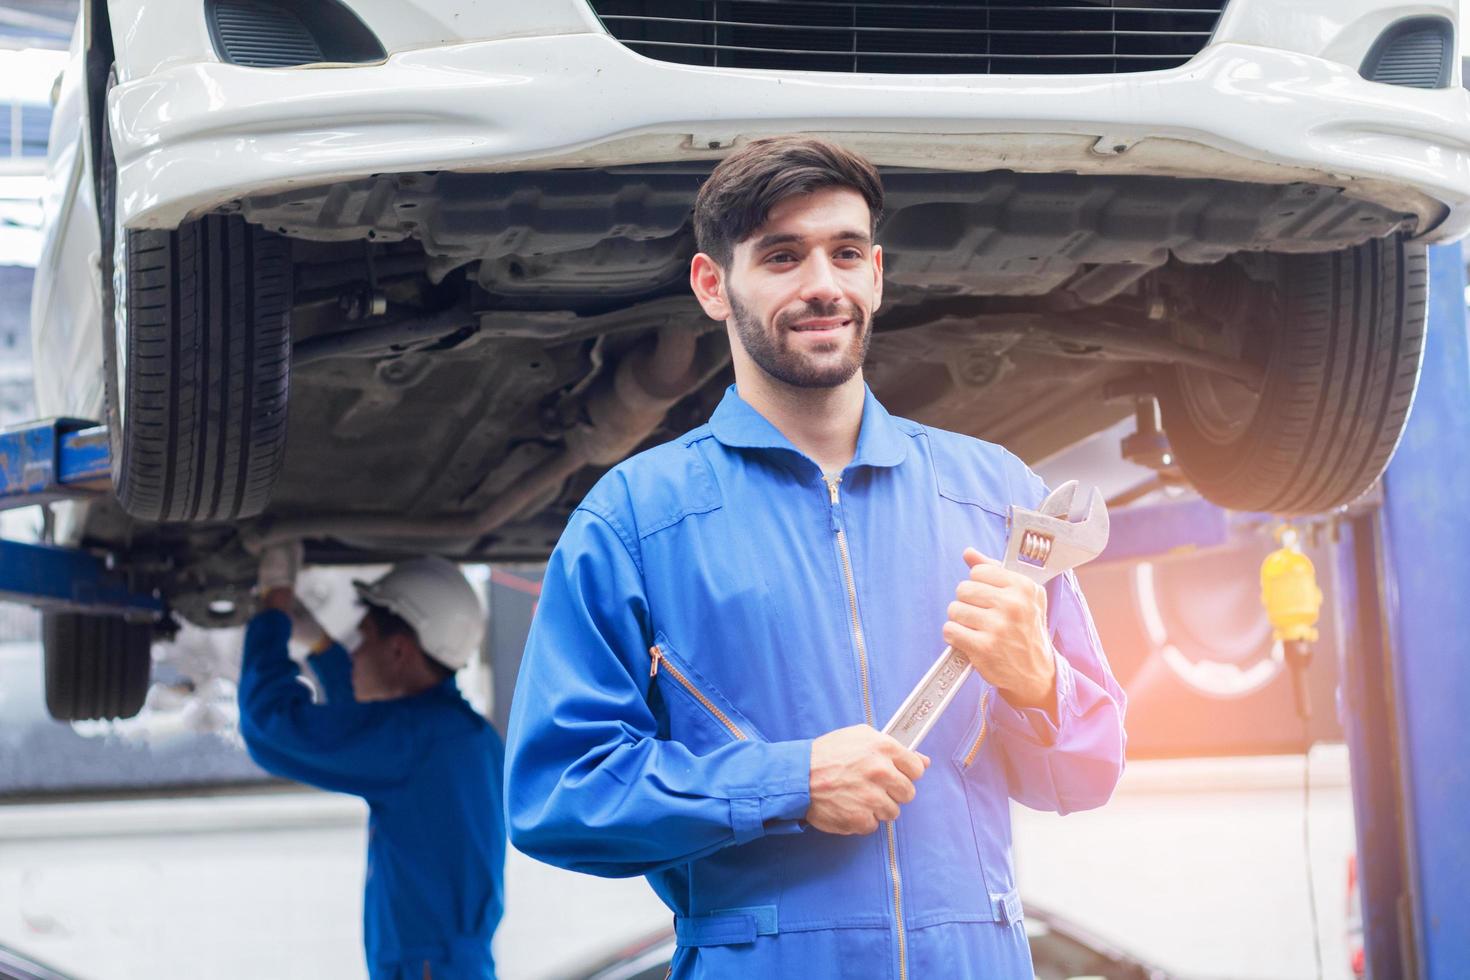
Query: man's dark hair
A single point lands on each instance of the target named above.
(388, 623)
(738, 197)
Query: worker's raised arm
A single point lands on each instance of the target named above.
(328, 659)
(347, 747)
(1071, 759)
(333, 669)
(589, 784)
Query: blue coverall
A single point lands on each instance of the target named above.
(430, 768)
(714, 604)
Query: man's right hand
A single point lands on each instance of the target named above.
(860, 777)
(279, 566)
(277, 598)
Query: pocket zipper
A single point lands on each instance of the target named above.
(660, 657)
(984, 727)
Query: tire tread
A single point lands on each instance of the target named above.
(1348, 348)
(96, 667)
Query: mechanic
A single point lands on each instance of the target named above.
(728, 617)
(394, 730)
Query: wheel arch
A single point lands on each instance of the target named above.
(96, 28)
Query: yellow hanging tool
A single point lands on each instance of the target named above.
(1292, 600)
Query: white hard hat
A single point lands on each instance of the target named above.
(433, 596)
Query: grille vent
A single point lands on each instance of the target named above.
(1029, 37)
(259, 34)
(1412, 53)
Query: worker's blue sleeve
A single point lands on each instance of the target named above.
(589, 786)
(333, 669)
(349, 748)
(1071, 760)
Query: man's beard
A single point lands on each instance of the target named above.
(770, 350)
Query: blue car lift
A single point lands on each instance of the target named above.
(1404, 571)
(1403, 608)
(61, 459)
(1406, 677)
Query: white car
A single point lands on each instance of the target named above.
(409, 276)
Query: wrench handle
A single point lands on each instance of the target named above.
(927, 701)
(1065, 546)
(922, 708)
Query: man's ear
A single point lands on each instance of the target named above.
(401, 652)
(707, 280)
(877, 279)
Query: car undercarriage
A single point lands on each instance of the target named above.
(471, 351)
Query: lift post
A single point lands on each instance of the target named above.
(1402, 572)
(1406, 675)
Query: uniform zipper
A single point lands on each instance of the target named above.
(852, 607)
(984, 727)
(678, 675)
(857, 631)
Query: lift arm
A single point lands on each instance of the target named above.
(53, 459)
(61, 459)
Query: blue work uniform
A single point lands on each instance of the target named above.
(716, 603)
(430, 768)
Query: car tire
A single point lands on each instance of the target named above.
(96, 666)
(1342, 360)
(196, 357)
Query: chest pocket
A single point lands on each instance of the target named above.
(694, 712)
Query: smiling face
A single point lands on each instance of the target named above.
(800, 292)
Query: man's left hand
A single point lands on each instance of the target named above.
(998, 621)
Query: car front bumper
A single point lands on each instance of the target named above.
(192, 137)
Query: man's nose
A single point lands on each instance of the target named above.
(819, 280)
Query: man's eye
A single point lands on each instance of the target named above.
(778, 257)
(850, 253)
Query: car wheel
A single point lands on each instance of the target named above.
(1342, 353)
(196, 354)
(96, 666)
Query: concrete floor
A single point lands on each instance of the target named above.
(241, 888)
(1198, 865)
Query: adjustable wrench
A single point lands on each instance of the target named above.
(1042, 545)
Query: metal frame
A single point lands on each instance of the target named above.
(68, 580)
(1157, 530)
(53, 459)
(60, 459)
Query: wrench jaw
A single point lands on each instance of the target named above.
(1043, 544)
(1058, 503)
(1086, 538)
